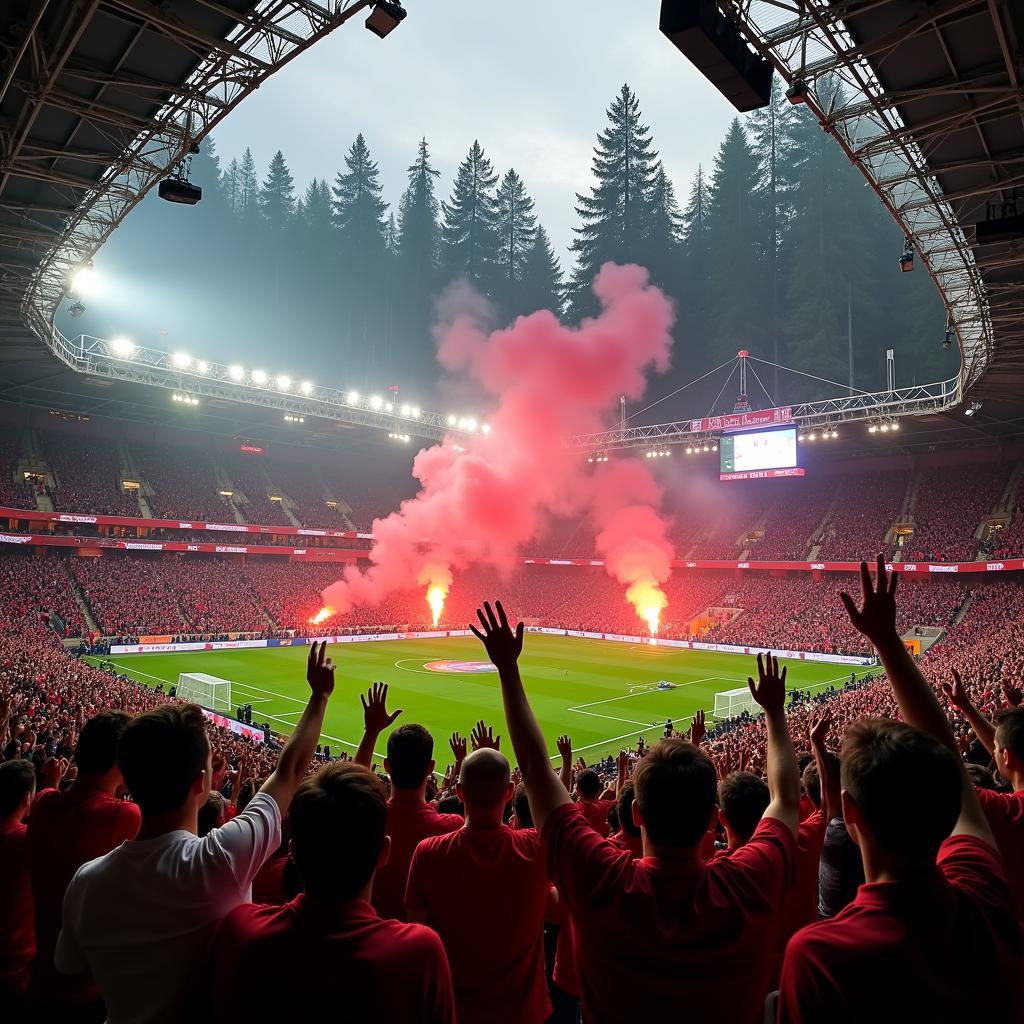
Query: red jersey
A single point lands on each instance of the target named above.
(410, 820)
(495, 877)
(943, 947)
(66, 830)
(1005, 813)
(17, 937)
(662, 925)
(344, 959)
(596, 812)
(624, 841)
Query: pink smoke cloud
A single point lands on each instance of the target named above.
(548, 381)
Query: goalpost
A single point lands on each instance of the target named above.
(731, 703)
(206, 691)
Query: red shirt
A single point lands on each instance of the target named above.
(484, 891)
(596, 812)
(801, 904)
(1005, 813)
(344, 962)
(943, 947)
(410, 820)
(624, 841)
(665, 925)
(17, 936)
(65, 830)
(268, 885)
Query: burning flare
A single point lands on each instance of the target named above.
(648, 599)
(321, 616)
(435, 598)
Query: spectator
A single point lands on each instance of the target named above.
(409, 763)
(67, 829)
(17, 937)
(595, 810)
(138, 918)
(669, 921)
(936, 896)
(329, 938)
(743, 798)
(486, 864)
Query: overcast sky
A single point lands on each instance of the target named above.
(531, 80)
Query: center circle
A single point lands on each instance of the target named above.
(462, 667)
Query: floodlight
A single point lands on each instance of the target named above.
(797, 92)
(181, 360)
(376, 402)
(485, 429)
(122, 347)
(389, 407)
(236, 372)
(202, 366)
(471, 424)
(404, 410)
(385, 18)
(306, 388)
(884, 428)
(85, 280)
(414, 412)
(907, 258)
(972, 409)
(259, 377)
(872, 428)
(284, 382)
(894, 425)
(352, 398)
(452, 419)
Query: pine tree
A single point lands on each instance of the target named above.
(357, 205)
(248, 188)
(469, 236)
(615, 217)
(391, 237)
(232, 185)
(662, 248)
(542, 286)
(277, 196)
(516, 225)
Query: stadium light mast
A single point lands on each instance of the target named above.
(742, 402)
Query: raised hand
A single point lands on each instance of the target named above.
(320, 670)
(770, 689)
(580, 765)
(564, 744)
(375, 713)
(820, 726)
(54, 769)
(957, 693)
(483, 736)
(503, 646)
(876, 619)
(622, 766)
(697, 729)
(1012, 694)
(459, 747)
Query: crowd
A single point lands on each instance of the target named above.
(303, 485)
(87, 476)
(867, 506)
(950, 507)
(14, 493)
(792, 521)
(128, 596)
(830, 861)
(185, 485)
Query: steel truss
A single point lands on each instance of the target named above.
(144, 149)
(99, 358)
(880, 407)
(806, 40)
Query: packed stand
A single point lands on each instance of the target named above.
(950, 507)
(867, 506)
(247, 475)
(32, 587)
(211, 600)
(1009, 541)
(129, 597)
(87, 474)
(302, 485)
(14, 493)
(731, 523)
(793, 520)
(184, 484)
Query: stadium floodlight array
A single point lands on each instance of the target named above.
(732, 703)
(181, 373)
(207, 691)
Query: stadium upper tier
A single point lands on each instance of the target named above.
(216, 490)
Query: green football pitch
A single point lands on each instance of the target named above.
(602, 693)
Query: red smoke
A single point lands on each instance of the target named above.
(548, 382)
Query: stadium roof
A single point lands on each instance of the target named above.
(99, 100)
(933, 115)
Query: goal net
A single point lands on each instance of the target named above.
(206, 691)
(730, 703)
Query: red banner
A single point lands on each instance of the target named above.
(762, 474)
(741, 420)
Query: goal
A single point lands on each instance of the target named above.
(730, 703)
(206, 691)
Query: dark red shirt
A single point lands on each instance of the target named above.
(410, 820)
(333, 962)
(17, 934)
(484, 891)
(943, 947)
(665, 925)
(66, 830)
(596, 812)
(1005, 813)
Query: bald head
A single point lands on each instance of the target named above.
(485, 779)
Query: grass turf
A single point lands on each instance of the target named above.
(577, 686)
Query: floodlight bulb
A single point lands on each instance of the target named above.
(84, 281)
(181, 360)
(376, 402)
(202, 366)
(414, 412)
(122, 347)
(485, 429)
(306, 388)
(236, 372)
(452, 419)
(471, 424)
(352, 398)
(259, 377)
(284, 382)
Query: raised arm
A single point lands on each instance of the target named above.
(298, 751)
(375, 720)
(876, 619)
(783, 775)
(960, 699)
(831, 790)
(564, 744)
(503, 647)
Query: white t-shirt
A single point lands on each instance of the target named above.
(140, 917)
